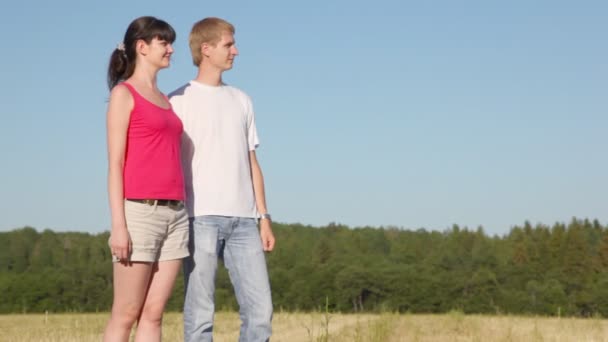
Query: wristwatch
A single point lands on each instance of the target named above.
(265, 216)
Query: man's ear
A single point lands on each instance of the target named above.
(205, 49)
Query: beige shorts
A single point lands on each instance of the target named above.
(158, 232)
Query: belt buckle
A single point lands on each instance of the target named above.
(150, 202)
(175, 204)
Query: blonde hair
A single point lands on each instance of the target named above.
(208, 30)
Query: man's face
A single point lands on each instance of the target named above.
(222, 54)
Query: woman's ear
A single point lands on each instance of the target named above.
(141, 47)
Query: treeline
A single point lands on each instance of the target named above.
(547, 270)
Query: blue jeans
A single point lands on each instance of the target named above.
(238, 240)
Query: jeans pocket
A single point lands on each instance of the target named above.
(204, 236)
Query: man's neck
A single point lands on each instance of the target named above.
(209, 76)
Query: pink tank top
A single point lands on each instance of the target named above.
(153, 168)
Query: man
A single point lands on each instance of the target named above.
(224, 189)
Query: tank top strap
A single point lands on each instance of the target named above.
(132, 90)
(138, 98)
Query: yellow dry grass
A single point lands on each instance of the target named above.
(305, 327)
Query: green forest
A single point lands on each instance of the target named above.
(542, 270)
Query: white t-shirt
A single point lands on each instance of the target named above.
(219, 132)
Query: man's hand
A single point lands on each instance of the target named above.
(266, 235)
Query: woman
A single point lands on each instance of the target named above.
(149, 234)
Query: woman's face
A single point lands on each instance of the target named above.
(157, 53)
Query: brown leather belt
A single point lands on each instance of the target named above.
(163, 202)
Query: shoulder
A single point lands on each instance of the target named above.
(241, 96)
(121, 94)
(237, 92)
(181, 91)
(120, 105)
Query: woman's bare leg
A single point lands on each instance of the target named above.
(160, 289)
(131, 282)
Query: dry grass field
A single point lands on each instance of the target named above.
(294, 327)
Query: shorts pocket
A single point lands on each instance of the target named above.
(138, 210)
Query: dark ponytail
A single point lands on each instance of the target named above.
(122, 60)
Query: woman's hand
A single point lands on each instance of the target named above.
(120, 242)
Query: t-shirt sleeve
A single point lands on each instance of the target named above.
(252, 132)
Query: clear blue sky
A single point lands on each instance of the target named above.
(411, 114)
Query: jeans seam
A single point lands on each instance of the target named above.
(246, 298)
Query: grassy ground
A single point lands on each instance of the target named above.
(319, 327)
